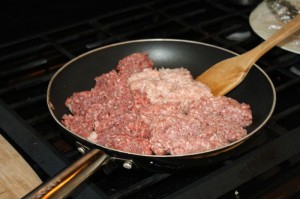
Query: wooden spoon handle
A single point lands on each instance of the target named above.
(287, 30)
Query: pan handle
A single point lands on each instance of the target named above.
(68, 179)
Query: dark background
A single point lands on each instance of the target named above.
(19, 19)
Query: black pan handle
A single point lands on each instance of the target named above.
(68, 179)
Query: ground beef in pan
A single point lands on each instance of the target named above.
(142, 110)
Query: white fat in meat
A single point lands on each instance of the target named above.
(168, 85)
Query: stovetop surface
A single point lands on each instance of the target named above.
(21, 19)
(35, 43)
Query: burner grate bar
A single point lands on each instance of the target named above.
(290, 83)
(143, 184)
(27, 84)
(28, 101)
(23, 68)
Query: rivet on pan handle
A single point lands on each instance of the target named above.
(67, 180)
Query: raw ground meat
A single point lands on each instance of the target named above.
(138, 109)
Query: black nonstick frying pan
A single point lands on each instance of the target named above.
(78, 75)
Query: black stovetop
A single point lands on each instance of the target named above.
(38, 38)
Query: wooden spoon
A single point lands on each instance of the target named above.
(226, 75)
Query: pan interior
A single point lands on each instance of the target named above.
(78, 75)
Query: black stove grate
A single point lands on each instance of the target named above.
(27, 64)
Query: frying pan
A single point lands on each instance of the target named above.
(78, 75)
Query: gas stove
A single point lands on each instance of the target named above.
(268, 166)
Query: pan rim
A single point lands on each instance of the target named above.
(208, 152)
